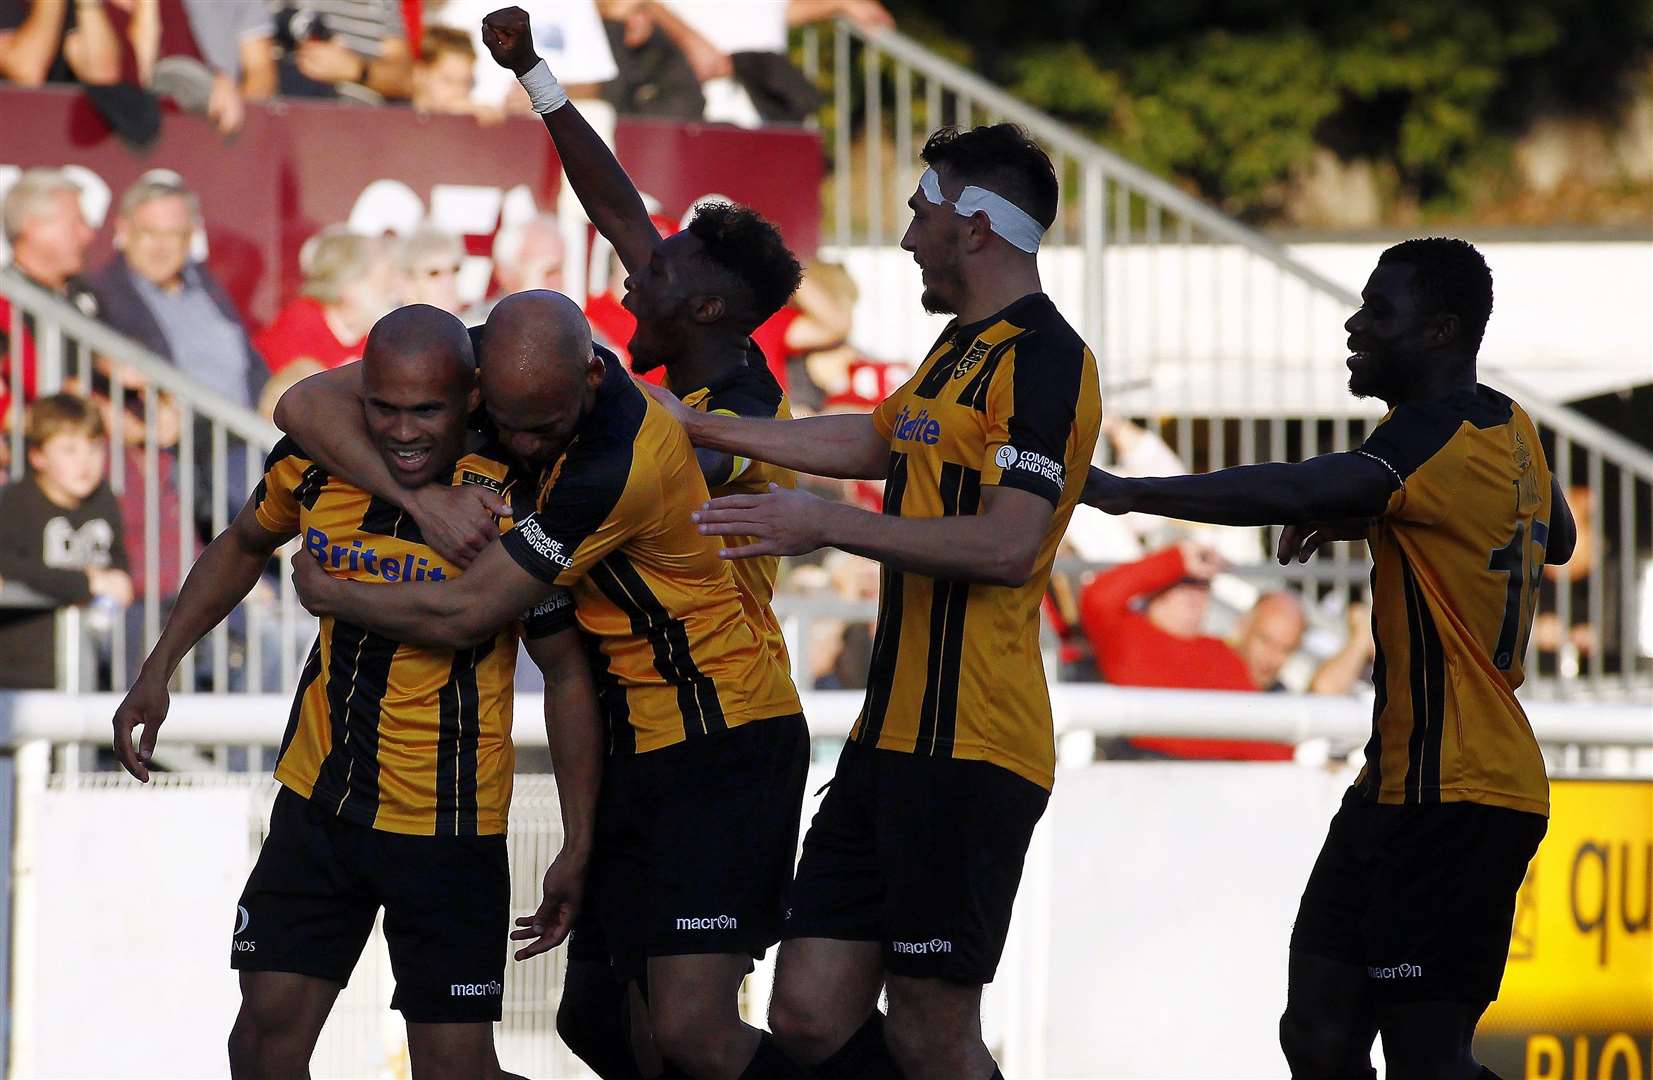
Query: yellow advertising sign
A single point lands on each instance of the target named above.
(1577, 998)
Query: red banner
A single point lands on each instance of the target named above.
(297, 166)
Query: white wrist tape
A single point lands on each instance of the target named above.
(545, 93)
(1006, 218)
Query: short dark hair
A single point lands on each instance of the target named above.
(1002, 158)
(1451, 277)
(748, 247)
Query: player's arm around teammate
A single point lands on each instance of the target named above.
(998, 546)
(324, 414)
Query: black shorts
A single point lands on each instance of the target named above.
(320, 880)
(1421, 896)
(921, 854)
(695, 844)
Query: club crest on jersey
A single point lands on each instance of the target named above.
(972, 356)
(469, 477)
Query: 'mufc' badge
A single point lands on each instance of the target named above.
(469, 477)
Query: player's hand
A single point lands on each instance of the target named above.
(1108, 493)
(548, 927)
(1300, 542)
(669, 401)
(510, 39)
(458, 520)
(145, 706)
(781, 521)
(311, 583)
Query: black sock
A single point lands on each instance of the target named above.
(594, 1020)
(997, 1075)
(866, 1056)
(769, 1063)
(1487, 1074)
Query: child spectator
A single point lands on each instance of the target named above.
(444, 75)
(60, 534)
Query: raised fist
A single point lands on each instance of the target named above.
(509, 39)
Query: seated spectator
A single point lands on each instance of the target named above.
(343, 48)
(527, 255)
(444, 75)
(60, 535)
(1268, 636)
(429, 261)
(568, 34)
(221, 54)
(1145, 623)
(49, 238)
(154, 292)
(55, 41)
(349, 282)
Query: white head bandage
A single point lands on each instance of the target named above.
(1006, 218)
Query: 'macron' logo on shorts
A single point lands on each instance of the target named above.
(493, 988)
(1399, 971)
(709, 922)
(922, 948)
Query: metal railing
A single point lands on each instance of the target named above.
(1208, 333)
(181, 462)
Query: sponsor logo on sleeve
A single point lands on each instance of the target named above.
(548, 549)
(556, 602)
(1008, 458)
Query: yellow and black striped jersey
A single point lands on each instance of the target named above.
(1012, 400)
(1456, 562)
(397, 737)
(676, 655)
(751, 390)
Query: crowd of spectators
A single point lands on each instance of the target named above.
(716, 60)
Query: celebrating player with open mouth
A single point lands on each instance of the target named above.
(1405, 922)
(397, 763)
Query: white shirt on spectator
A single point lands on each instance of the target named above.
(568, 34)
(736, 25)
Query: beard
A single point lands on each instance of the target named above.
(935, 304)
(1387, 377)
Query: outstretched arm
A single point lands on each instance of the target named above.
(843, 445)
(220, 579)
(1332, 487)
(1563, 529)
(998, 546)
(453, 613)
(323, 414)
(26, 53)
(607, 193)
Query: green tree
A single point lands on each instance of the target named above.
(1229, 96)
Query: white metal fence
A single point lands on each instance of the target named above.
(122, 897)
(1207, 332)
